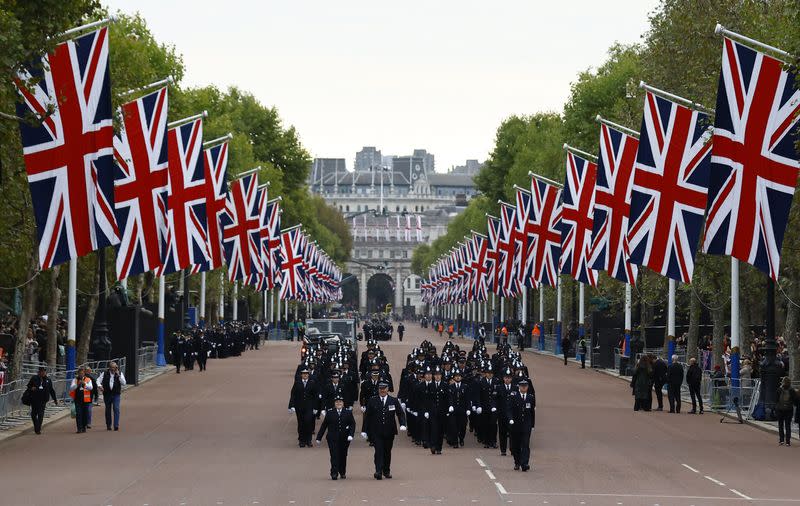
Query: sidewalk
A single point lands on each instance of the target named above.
(765, 426)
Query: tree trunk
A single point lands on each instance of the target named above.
(695, 311)
(792, 340)
(52, 316)
(85, 336)
(28, 300)
(718, 317)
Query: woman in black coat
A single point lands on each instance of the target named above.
(642, 385)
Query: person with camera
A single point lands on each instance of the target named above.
(40, 389)
(81, 392)
(111, 383)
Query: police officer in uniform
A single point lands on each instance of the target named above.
(503, 399)
(379, 425)
(521, 414)
(458, 409)
(340, 425)
(304, 403)
(332, 391)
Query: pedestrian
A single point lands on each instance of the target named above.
(694, 378)
(41, 390)
(504, 335)
(450, 330)
(660, 371)
(340, 425)
(482, 334)
(674, 383)
(400, 329)
(304, 403)
(95, 397)
(787, 398)
(642, 384)
(565, 347)
(379, 426)
(440, 329)
(111, 383)
(177, 350)
(437, 416)
(582, 352)
(521, 414)
(521, 337)
(81, 392)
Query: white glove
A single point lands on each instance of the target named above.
(427, 415)
(479, 410)
(291, 410)
(469, 412)
(314, 411)
(403, 405)
(494, 409)
(451, 409)
(363, 408)
(318, 442)
(531, 429)
(349, 438)
(511, 422)
(402, 428)
(364, 435)
(322, 412)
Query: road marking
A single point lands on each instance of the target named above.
(656, 496)
(690, 468)
(500, 488)
(709, 478)
(490, 474)
(480, 462)
(740, 494)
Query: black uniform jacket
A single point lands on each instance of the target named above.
(379, 419)
(338, 426)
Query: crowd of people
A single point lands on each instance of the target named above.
(197, 344)
(35, 347)
(442, 396)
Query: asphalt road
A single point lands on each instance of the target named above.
(224, 437)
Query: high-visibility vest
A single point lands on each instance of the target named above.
(450, 328)
(87, 394)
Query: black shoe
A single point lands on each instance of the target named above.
(116, 428)
(671, 411)
(693, 412)
(334, 477)
(516, 467)
(377, 476)
(302, 445)
(108, 427)
(38, 431)
(438, 452)
(525, 468)
(433, 451)
(461, 442)
(342, 476)
(388, 476)
(88, 426)
(502, 454)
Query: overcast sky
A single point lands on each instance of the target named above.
(433, 74)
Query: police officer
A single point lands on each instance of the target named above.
(521, 413)
(503, 399)
(379, 425)
(400, 330)
(304, 403)
(333, 390)
(458, 398)
(341, 426)
(201, 349)
(438, 404)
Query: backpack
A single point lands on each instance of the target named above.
(784, 400)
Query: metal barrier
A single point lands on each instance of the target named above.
(146, 361)
(550, 343)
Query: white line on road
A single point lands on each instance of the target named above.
(500, 488)
(480, 462)
(740, 494)
(653, 496)
(490, 474)
(709, 478)
(690, 468)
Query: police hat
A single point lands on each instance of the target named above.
(338, 398)
(488, 368)
(428, 370)
(456, 372)
(437, 370)
(523, 382)
(304, 370)
(507, 372)
(375, 372)
(335, 374)
(383, 384)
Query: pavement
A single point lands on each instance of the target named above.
(225, 437)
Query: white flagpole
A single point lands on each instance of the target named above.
(235, 300)
(558, 315)
(502, 310)
(581, 313)
(264, 296)
(524, 315)
(671, 320)
(541, 306)
(628, 320)
(221, 296)
(72, 307)
(735, 336)
(202, 299)
(162, 288)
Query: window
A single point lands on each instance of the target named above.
(359, 207)
(416, 283)
(405, 253)
(347, 208)
(397, 209)
(369, 253)
(408, 301)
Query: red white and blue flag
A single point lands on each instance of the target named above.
(546, 227)
(508, 253)
(240, 226)
(670, 188)
(525, 238)
(480, 270)
(215, 164)
(259, 278)
(274, 257)
(69, 152)
(576, 219)
(293, 275)
(492, 252)
(140, 153)
(609, 250)
(754, 163)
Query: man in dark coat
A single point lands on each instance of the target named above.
(41, 388)
(341, 426)
(304, 403)
(331, 391)
(521, 414)
(459, 409)
(674, 382)
(438, 403)
(379, 425)
(694, 377)
(659, 380)
(504, 392)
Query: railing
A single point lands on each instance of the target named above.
(550, 343)
(147, 360)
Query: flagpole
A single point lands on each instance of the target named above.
(581, 312)
(148, 87)
(218, 141)
(162, 288)
(502, 310)
(235, 301)
(541, 317)
(72, 307)
(183, 121)
(721, 30)
(202, 299)
(494, 306)
(221, 314)
(88, 26)
(671, 321)
(558, 315)
(626, 352)
(524, 315)
(675, 98)
(735, 336)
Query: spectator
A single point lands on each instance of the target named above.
(95, 396)
(642, 385)
(694, 378)
(746, 373)
(674, 383)
(81, 392)
(660, 371)
(41, 388)
(787, 399)
(111, 383)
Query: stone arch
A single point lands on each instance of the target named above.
(380, 292)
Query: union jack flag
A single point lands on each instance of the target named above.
(274, 256)
(546, 227)
(293, 285)
(259, 278)
(525, 238)
(609, 250)
(69, 155)
(215, 165)
(240, 225)
(492, 253)
(140, 151)
(576, 219)
(186, 201)
(754, 163)
(479, 267)
(670, 188)
(508, 253)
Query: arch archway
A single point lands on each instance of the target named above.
(380, 291)
(350, 286)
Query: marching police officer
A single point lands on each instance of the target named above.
(304, 402)
(341, 426)
(332, 391)
(504, 392)
(379, 425)
(521, 414)
(458, 409)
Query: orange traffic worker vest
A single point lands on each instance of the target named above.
(87, 394)
(450, 328)
(536, 330)
(441, 327)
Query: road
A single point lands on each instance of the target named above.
(224, 437)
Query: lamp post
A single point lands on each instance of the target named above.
(101, 345)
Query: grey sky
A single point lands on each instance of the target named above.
(435, 74)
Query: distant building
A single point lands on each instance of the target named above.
(321, 168)
(427, 158)
(368, 157)
(470, 169)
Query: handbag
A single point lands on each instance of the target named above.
(72, 412)
(27, 397)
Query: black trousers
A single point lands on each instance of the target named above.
(201, 361)
(784, 425)
(502, 429)
(694, 392)
(338, 450)
(456, 427)
(674, 394)
(383, 453)
(437, 425)
(659, 388)
(488, 422)
(521, 446)
(583, 360)
(81, 415)
(305, 425)
(37, 415)
(566, 355)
